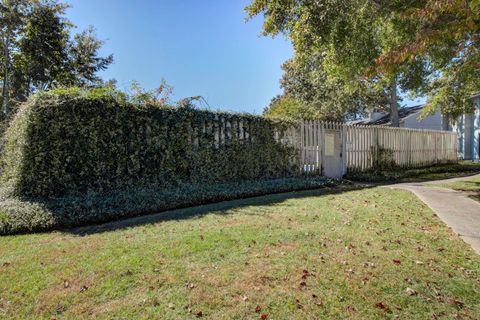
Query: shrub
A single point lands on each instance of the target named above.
(382, 158)
(431, 172)
(73, 157)
(19, 215)
(75, 142)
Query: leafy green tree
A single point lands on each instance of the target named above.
(306, 81)
(287, 108)
(447, 35)
(350, 36)
(84, 61)
(451, 91)
(12, 20)
(42, 58)
(39, 54)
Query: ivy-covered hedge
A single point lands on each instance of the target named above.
(21, 215)
(74, 157)
(77, 142)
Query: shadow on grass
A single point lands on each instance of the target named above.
(220, 208)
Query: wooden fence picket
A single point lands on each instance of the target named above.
(364, 146)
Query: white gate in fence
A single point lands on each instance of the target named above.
(333, 149)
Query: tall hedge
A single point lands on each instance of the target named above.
(79, 142)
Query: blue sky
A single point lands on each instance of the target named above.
(200, 47)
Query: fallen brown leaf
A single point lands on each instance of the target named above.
(66, 284)
(410, 292)
(381, 305)
(299, 305)
(350, 309)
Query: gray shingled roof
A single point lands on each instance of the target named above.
(385, 120)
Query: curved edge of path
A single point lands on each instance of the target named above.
(454, 208)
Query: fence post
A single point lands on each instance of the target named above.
(375, 160)
(344, 149)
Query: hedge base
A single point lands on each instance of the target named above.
(423, 173)
(24, 215)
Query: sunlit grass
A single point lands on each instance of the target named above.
(470, 186)
(306, 255)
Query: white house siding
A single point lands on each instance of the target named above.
(413, 121)
(468, 130)
(476, 131)
(459, 128)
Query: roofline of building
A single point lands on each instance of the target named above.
(387, 114)
(477, 95)
(406, 117)
(416, 113)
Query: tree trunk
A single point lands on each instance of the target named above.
(394, 120)
(446, 122)
(6, 57)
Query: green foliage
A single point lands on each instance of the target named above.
(83, 60)
(347, 37)
(425, 47)
(38, 52)
(450, 93)
(322, 98)
(36, 214)
(41, 56)
(441, 171)
(74, 156)
(160, 96)
(3, 217)
(287, 108)
(382, 158)
(75, 141)
(446, 34)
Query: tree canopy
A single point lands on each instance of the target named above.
(38, 51)
(306, 81)
(447, 36)
(421, 47)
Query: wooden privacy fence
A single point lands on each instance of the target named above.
(334, 148)
(376, 146)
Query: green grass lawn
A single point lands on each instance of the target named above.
(470, 186)
(436, 172)
(307, 255)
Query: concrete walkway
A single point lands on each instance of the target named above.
(454, 208)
